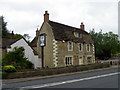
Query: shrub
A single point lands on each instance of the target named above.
(9, 68)
(17, 59)
(24, 64)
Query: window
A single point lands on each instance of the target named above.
(88, 59)
(68, 61)
(80, 46)
(78, 35)
(70, 46)
(88, 47)
(80, 60)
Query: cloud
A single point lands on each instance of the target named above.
(24, 16)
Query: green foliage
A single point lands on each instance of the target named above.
(17, 59)
(9, 68)
(106, 44)
(27, 37)
(51, 71)
(5, 32)
(16, 36)
(24, 64)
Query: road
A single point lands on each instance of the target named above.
(107, 78)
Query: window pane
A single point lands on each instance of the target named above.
(70, 46)
(66, 60)
(80, 47)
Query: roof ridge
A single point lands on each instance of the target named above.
(64, 24)
(75, 28)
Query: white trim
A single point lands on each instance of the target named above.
(79, 59)
(71, 60)
(87, 58)
(87, 48)
(71, 46)
(81, 47)
(55, 51)
(76, 34)
(93, 48)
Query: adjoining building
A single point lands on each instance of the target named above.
(11, 43)
(60, 45)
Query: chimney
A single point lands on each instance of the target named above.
(12, 35)
(46, 16)
(82, 26)
(37, 33)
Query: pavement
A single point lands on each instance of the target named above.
(51, 76)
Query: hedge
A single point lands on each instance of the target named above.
(53, 71)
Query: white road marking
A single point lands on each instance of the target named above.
(69, 81)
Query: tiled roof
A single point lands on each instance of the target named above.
(34, 42)
(7, 42)
(66, 33)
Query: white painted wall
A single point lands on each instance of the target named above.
(28, 52)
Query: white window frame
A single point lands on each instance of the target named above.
(79, 59)
(81, 47)
(70, 62)
(68, 46)
(87, 58)
(76, 34)
(87, 48)
(93, 48)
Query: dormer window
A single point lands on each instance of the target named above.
(78, 35)
(70, 46)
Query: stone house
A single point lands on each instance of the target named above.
(64, 45)
(10, 44)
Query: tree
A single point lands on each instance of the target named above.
(106, 44)
(5, 31)
(27, 37)
(17, 58)
(16, 36)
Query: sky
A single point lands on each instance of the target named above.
(25, 16)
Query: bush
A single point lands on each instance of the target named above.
(9, 68)
(17, 59)
(24, 64)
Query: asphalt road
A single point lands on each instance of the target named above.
(96, 79)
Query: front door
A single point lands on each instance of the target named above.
(80, 60)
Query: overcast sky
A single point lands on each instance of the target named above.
(24, 16)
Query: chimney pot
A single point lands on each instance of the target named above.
(46, 16)
(37, 32)
(82, 26)
(12, 35)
